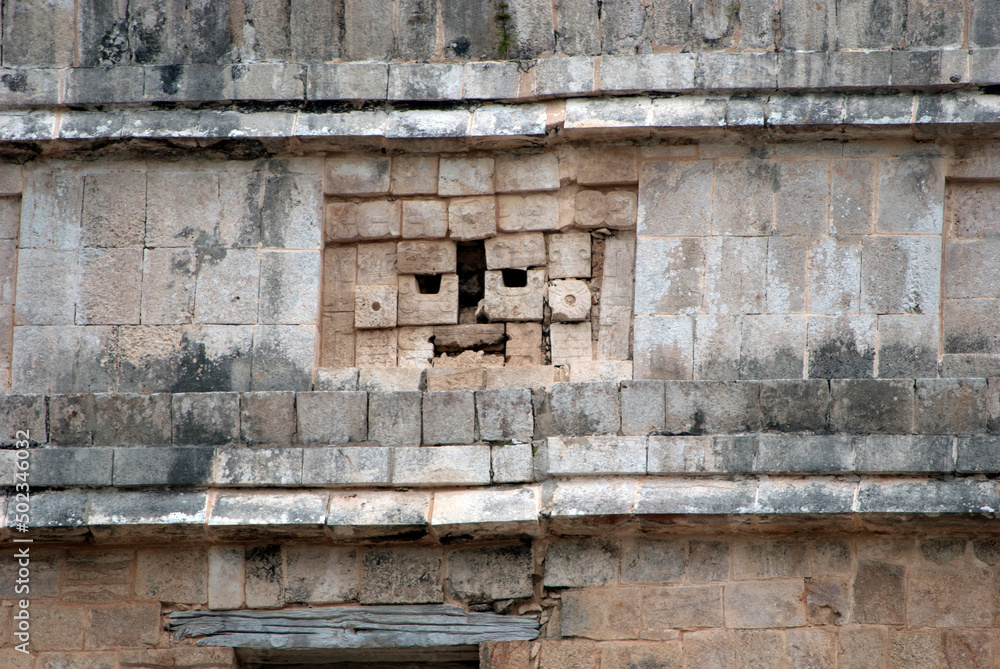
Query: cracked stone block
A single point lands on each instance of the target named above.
(514, 303)
(374, 307)
(426, 257)
(357, 175)
(416, 308)
(615, 210)
(569, 300)
(569, 255)
(526, 249)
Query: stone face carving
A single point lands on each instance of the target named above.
(523, 250)
(571, 342)
(569, 300)
(378, 219)
(377, 263)
(430, 257)
(375, 348)
(524, 344)
(374, 307)
(415, 348)
(339, 270)
(615, 210)
(505, 303)
(416, 308)
(619, 263)
(569, 255)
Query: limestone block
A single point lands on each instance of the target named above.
(424, 81)
(114, 208)
(293, 192)
(402, 575)
(347, 465)
(524, 344)
(576, 563)
(205, 418)
(375, 348)
(390, 379)
(512, 463)
(670, 275)
(520, 213)
(763, 604)
(469, 336)
(374, 307)
(663, 347)
(519, 172)
(49, 282)
(735, 275)
(168, 283)
(442, 465)
(489, 573)
(425, 219)
(376, 264)
(614, 334)
(10, 216)
(852, 197)
(283, 357)
(569, 300)
(426, 257)
(526, 249)
(910, 196)
(378, 513)
(448, 418)
(394, 418)
(465, 176)
(465, 35)
(569, 255)
(743, 198)
(414, 175)
(357, 174)
(226, 576)
(592, 455)
(50, 209)
(469, 359)
(123, 625)
(172, 575)
(376, 219)
(613, 371)
(320, 575)
(44, 34)
(908, 346)
(367, 30)
(607, 165)
(110, 287)
(227, 289)
(124, 419)
(841, 346)
(472, 217)
(972, 207)
(532, 28)
(338, 342)
(267, 418)
(504, 415)
(773, 347)
(835, 276)
(675, 198)
(339, 276)
(181, 206)
(786, 274)
(415, 346)
(523, 303)
(970, 268)
(289, 286)
(902, 274)
(615, 209)
(416, 308)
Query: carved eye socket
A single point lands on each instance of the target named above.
(376, 306)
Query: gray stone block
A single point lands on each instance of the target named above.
(954, 496)
(984, 66)
(424, 81)
(696, 407)
(49, 283)
(622, 26)
(710, 497)
(512, 463)
(650, 72)
(807, 26)
(488, 573)
(289, 287)
(653, 560)
(23, 414)
(283, 357)
(258, 466)
(125, 419)
(367, 30)
(267, 418)
(794, 453)
(39, 34)
(585, 408)
(951, 406)
(268, 81)
(717, 343)
(934, 23)
(698, 455)
(504, 415)
(346, 466)
(466, 34)
(244, 515)
(901, 275)
(978, 453)
(41, 353)
(574, 499)
(441, 465)
(448, 418)
(402, 575)
(579, 28)
(564, 76)
(101, 85)
(670, 275)
(293, 196)
(871, 406)
(71, 419)
(318, 574)
(591, 455)
(911, 195)
(315, 30)
(491, 81)
(642, 407)
(967, 365)
(903, 453)
(967, 269)
(172, 511)
(970, 326)
(336, 378)
(348, 81)
(394, 418)
(379, 513)
(579, 563)
(841, 346)
(794, 405)
(70, 466)
(733, 71)
(57, 515)
(531, 28)
(329, 418)
(187, 83)
(773, 346)
(265, 576)
(663, 347)
(908, 346)
(879, 110)
(798, 497)
(163, 465)
(205, 418)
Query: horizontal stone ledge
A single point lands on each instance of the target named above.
(500, 80)
(110, 515)
(477, 126)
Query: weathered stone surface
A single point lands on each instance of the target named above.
(571, 343)
(596, 455)
(347, 465)
(841, 346)
(465, 176)
(585, 408)
(607, 613)
(763, 604)
(911, 195)
(521, 250)
(580, 653)
(670, 275)
(653, 560)
(378, 513)
(472, 217)
(615, 210)
(525, 213)
(486, 574)
(401, 575)
(682, 607)
(418, 308)
(663, 347)
(675, 198)
(735, 275)
(122, 625)
(569, 300)
(424, 219)
(458, 377)
(642, 407)
(332, 417)
(524, 344)
(375, 307)
(172, 575)
(446, 465)
(394, 417)
(769, 559)
(289, 289)
(879, 592)
(205, 418)
(448, 418)
(357, 174)
(374, 219)
(425, 257)
(863, 406)
(504, 414)
(951, 406)
(506, 302)
(110, 281)
(908, 346)
(903, 274)
(772, 347)
(163, 466)
(794, 406)
(579, 563)
(70, 466)
(226, 576)
(320, 575)
(512, 463)
(693, 407)
(414, 175)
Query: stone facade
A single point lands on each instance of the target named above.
(665, 330)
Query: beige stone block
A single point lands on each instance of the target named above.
(10, 179)
(465, 176)
(320, 574)
(505, 654)
(469, 359)
(538, 171)
(168, 285)
(575, 653)
(947, 596)
(172, 575)
(377, 263)
(708, 649)
(514, 303)
(182, 208)
(524, 344)
(190, 657)
(615, 210)
(571, 343)
(56, 626)
(569, 300)
(472, 217)
(652, 654)
(522, 213)
(861, 647)
(619, 272)
(569, 255)
(455, 379)
(537, 376)
(96, 576)
(599, 371)
(357, 174)
(390, 379)
(375, 348)
(228, 288)
(916, 649)
(769, 559)
(114, 208)
(110, 287)
(683, 607)
(415, 346)
(601, 613)
(416, 308)
(766, 649)
(337, 348)
(426, 257)
(77, 660)
(607, 165)
(762, 604)
(614, 333)
(526, 249)
(226, 577)
(132, 625)
(10, 216)
(414, 175)
(339, 276)
(469, 336)
(425, 219)
(374, 307)
(378, 219)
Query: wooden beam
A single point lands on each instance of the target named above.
(351, 627)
